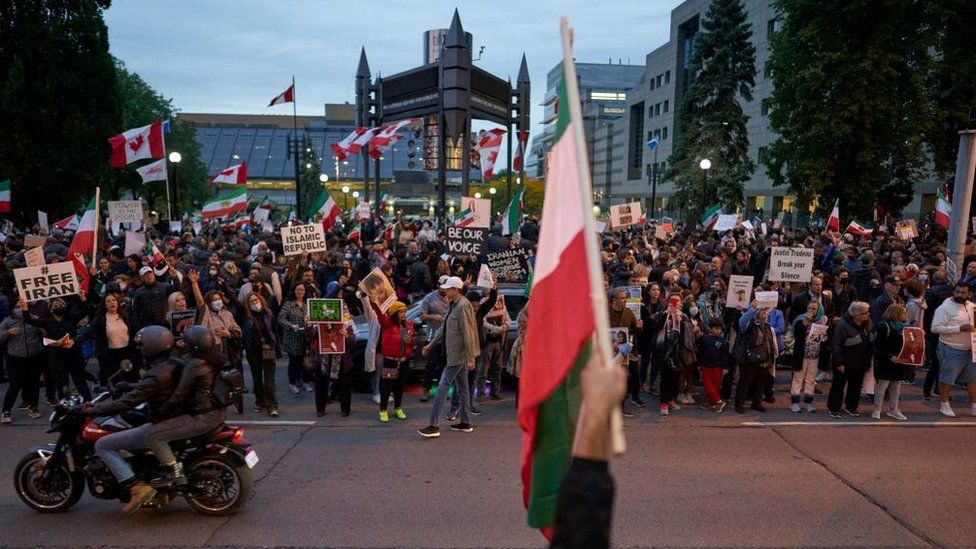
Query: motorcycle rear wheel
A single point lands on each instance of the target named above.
(56, 494)
(222, 486)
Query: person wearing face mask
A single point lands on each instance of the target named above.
(844, 293)
(24, 359)
(686, 383)
(213, 313)
(851, 345)
(64, 356)
(260, 345)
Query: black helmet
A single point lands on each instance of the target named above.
(199, 339)
(154, 340)
(474, 294)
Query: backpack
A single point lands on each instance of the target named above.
(752, 347)
(228, 388)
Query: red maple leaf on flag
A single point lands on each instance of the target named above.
(136, 143)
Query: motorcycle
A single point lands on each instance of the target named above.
(52, 478)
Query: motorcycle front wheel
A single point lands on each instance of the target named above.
(47, 489)
(220, 485)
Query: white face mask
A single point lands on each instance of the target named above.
(217, 305)
(256, 307)
(693, 311)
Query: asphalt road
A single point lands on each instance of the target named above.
(694, 479)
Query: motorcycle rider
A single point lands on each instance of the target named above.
(194, 397)
(155, 388)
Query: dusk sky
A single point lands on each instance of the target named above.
(226, 56)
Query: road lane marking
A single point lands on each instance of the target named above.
(859, 423)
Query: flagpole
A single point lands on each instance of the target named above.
(294, 118)
(98, 193)
(618, 444)
(169, 205)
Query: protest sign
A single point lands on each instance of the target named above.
(46, 281)
(767, 300)
(740, 289)
(790, 264)
(817, 331)
(633, 299)
(509, 265)
(661, 233)
(42, 221)
(261, 214)
(33, 241)
(298, 239)
(621, 344)
(379, 289)
(622, 215)
(763, 227)
(34, 256)
(125, 211)
(175, 227)
(913, 346)
(325, 310)
(726, 222)
(485, 278)
(601, 226)
(135, 243)
(748, 225)
(332, 338)
(465, 240)
(480, 212)
(363, 211)
(179, 321)
(906, 229)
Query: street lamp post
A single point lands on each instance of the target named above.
(175, 158)
(705, 165)
(345, 196)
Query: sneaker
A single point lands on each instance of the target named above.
(476, 411)
(665, 410)
(496, 397)
(718, 407)
(308, 388)
(23, 407)
(376, 398)
(258, 409)
(946, 410)
(294, 389)
(463, 427)
(875, 414)
(926, 396)
(637, 402)
(811, 409)
(674, 406)
(33, 413)
(689, 399)
(384, 416)
(430, 431)
(833, 414)
(896, 414)
(855, 413)
(6, 418)
(273, 412)
(424, 395)
(627, 413)
(795, 408)
(452, 415)
(680, 399)
(399, 413)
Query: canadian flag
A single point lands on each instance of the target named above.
(234, 175)
(137, 144)
(487, 146)
(287, 96)
(363, 140)
(376, 151)
(155, 171)
(341, 149)
(388, 134)
(833, 223)
(519, 151)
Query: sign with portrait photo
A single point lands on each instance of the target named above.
(179, 321)
(740, 288)
(379, 289)
(332, 338)
(623, 215)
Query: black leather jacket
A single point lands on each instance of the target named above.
(193, 394)
(155, 388)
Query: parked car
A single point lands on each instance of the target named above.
(514, 300)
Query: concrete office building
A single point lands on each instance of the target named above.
(623, 167)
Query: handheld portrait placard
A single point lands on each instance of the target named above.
(332, 338)
(913, 346)
(379, 289)
(740, 288)
(623, 215)
(767, 300)
(179, 321)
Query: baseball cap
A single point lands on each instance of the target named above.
(442, 280)
(452, 282)
(145, 269)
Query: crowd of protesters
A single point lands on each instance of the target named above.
(840, 331)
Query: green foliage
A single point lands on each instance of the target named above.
(850, 105)
(531, 199)
(309, 171)
(713, 124)
(58, 103)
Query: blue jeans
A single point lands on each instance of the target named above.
(459, 372)
(108, 448)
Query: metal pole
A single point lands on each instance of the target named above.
(508, 165)
(169, 205)
(466, 157)
(962, 194)
(376, 164)
(654, 186)
(704, 185)
(366, 173)
(442, 169)
(294, 118)
(176, 186)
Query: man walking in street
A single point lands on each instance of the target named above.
(459, 336)
(953, 323)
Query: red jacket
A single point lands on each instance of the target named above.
(391, 345)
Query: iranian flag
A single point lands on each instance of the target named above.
(137, 144)
(833, 223)
(510, 223)
(325, 209)
(341, 149)
(234, 175)
(287, 96)
(69, 223)
(487, 146)
(519, 151)
(943, 210)
(226, 204)
(857, 229)
(562, 312)
(383, 201)
(84, 239)
(710, 217)
(355, 233)
(265, 204)
(154, 171)
(5, 196)
(465, 217)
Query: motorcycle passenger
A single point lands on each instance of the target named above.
(194, 398)
(155, 388)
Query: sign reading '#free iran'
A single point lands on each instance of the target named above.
(46, 281)
(790, 264)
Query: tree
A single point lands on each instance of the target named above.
(850, 105)
(713, 125)
(309, 172)
(531, 198)
(58, 103)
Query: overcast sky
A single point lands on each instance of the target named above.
(233, 56)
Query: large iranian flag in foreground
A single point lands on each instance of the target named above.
(561, 315)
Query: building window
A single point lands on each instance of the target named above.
(657, 109)
(660, 79)
(652, 82)
(650, 111)
(772, 27)
(666, 106)
(608, 96)
(765, 106)
(635, 151)
(762, 155)
(667, 77)
(664, 133)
